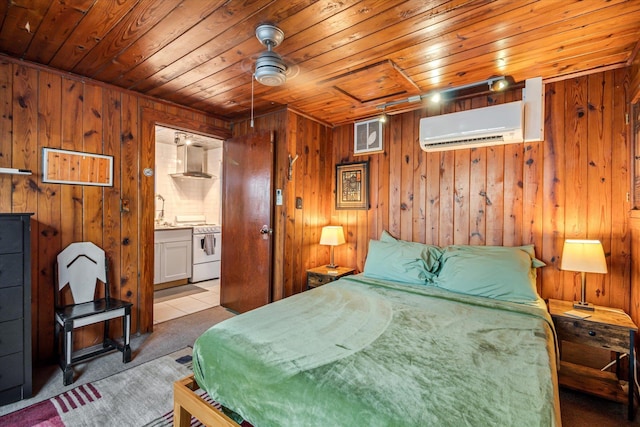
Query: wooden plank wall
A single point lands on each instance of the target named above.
(44, 108)
(634, 222)
(297, 231)
(574, 184)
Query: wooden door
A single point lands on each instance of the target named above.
(245, 277)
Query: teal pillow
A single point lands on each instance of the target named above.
(397, 262)
(499, 272)
(386, 237)
(430, 253)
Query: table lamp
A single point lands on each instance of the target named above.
(332, 235)
(585, 256)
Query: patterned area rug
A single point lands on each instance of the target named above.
(140, 396)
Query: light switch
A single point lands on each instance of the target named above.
(279, 197)
(298, 202)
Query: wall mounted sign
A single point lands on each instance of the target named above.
(352, 186)
(75, 167)
(367, 137)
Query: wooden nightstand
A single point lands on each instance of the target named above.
(606, 328)
(320, 275)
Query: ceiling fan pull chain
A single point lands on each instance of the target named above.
(253, 77)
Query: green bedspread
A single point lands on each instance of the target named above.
(364, 352)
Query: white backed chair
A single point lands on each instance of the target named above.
(82, 266)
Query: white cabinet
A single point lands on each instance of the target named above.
(157, 249)
(172, 255)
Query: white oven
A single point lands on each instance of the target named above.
(206, 247)
(207, 244)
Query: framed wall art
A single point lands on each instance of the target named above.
(367, 137)
(74, 167)
(352, 186)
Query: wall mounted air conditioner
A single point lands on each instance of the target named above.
(480, 127)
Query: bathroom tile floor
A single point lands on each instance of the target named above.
(179, 301)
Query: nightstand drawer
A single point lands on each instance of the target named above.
(593, 334)
(322, 275)
(315, 280)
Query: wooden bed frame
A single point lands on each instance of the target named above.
(186, 403)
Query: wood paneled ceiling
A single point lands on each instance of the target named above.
(348, 57)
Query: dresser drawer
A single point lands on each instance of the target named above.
(11, 337)
(594, 334)
(11, 236)
(11, 270)
(11, 395)
(11, 370)
(11, 303)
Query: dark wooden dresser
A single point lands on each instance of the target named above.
(15, 307)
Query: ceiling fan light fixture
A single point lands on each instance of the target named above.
(270, 69)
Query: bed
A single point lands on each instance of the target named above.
(404, 343)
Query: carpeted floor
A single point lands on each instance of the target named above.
(167, 338)
(138, 396)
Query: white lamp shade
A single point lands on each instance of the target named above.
(332, 235)
(584, 256)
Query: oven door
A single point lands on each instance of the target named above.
(200, 254)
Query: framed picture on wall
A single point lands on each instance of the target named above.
(367, 137)
(75, 167)
(352, 186)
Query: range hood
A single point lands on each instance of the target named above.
(190, 162)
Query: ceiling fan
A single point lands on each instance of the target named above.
(270, 68)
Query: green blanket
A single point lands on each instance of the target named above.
(360, 351)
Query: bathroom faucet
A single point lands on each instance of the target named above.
(159, 197)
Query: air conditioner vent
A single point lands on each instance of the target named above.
(480, 127)
(497, 139)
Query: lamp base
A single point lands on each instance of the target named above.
(332, 266)
(583, 305)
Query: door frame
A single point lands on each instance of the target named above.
(149, 119)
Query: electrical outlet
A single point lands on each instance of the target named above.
(298, 202)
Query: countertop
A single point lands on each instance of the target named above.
(158, 227)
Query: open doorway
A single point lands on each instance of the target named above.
(187, 223)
